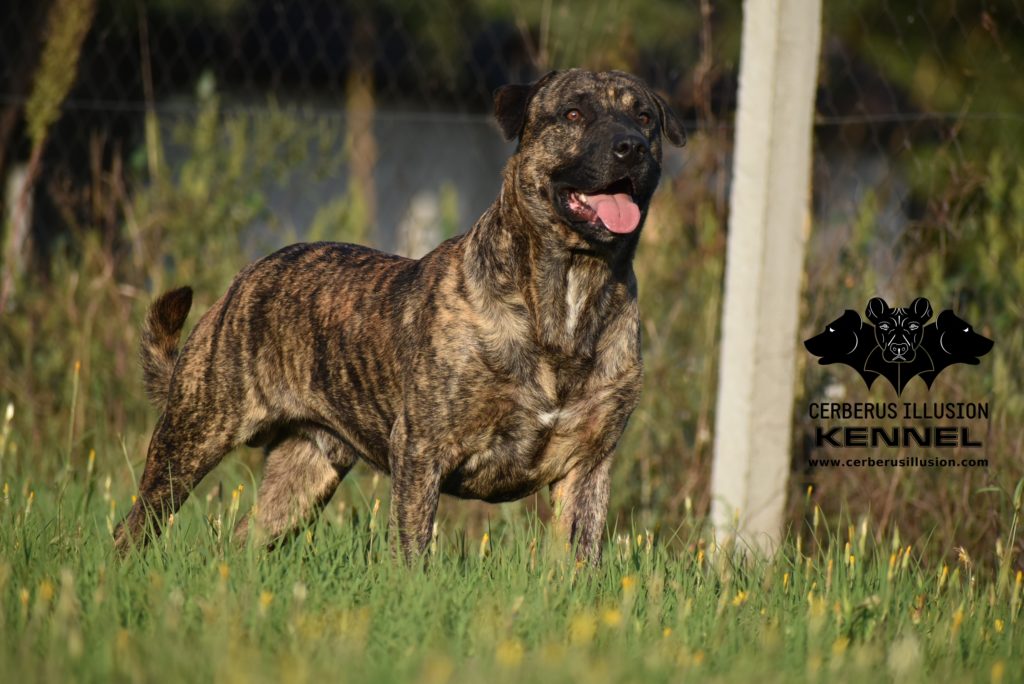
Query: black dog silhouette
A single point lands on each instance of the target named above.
(846, 340)
(898, 355)
(899, 346)
(952, 340)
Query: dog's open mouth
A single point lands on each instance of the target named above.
(612, 207)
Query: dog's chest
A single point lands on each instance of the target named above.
(523, 436)
(529, 394)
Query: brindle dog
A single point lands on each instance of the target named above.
(505, 360)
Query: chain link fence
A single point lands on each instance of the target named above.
(913, 97)
(904, 86)
(399, 94)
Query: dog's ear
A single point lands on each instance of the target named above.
(511, 103)
(852, 319)
(922, 309)
(946, 320)
(876, 309)
(671, 124)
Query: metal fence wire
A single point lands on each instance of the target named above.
(405, 86)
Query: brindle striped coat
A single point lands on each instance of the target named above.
(506, 360)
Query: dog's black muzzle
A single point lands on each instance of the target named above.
(629, 148)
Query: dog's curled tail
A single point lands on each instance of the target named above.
(159, 346)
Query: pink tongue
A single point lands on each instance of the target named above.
(617, 212)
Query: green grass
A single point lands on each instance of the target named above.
(831, 605)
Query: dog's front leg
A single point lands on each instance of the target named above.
(415, 491)
(580, 501)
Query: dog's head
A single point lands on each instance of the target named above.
(956, 338)
(840, 341)
(899, 331)
(589, 154)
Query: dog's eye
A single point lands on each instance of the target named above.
(883, 326)
(831, 329)
(573, 115)
(644, 118)
(967, 329)
(914, 326)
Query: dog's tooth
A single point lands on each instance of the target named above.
(583, 198)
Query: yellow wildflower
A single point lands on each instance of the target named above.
(582, 629)
(266, 598)
(612, 617)
(509, 653)
(958, 619)
(45, 591)
(998, 671)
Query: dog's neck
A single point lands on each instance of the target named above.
(566, 288)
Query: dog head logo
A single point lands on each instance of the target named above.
(898, 332)
(899, 343)
(953, 340)
(846, 340)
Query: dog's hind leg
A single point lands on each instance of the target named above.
(186, 445)
(301, 475)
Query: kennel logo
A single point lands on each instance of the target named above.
(899, 343)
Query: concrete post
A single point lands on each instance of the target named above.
(767, 225)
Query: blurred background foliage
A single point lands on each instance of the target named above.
(196, 136)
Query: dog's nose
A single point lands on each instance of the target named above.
(629, 147)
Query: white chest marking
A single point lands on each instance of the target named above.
(549, 418)
(573, 302)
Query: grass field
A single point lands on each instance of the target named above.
(833, 605)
